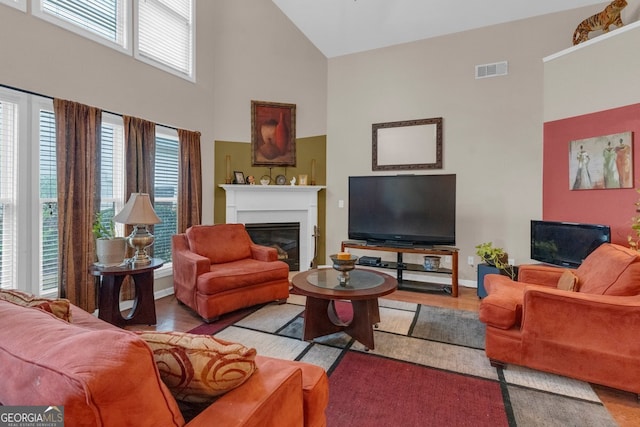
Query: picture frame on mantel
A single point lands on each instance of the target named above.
(407, 145)
(273, 134)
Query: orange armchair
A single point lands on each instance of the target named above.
(218, 269)
(590, 334)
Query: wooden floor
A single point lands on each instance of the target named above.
(624, 407)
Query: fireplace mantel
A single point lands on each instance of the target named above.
(249, 204)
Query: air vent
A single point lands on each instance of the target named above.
(492, 70)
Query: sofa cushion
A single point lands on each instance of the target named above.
(59, 307)
(94, 374)
(197, 368)
(610, 270)
(503, 307)
(220, 243)
(239, 274)
(568, 281)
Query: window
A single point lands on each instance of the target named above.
(48, 203)
(8, 191)
(112, 168)
(165, 34)
(18, 4)
(164, 29)
(104, 21)
(28, 189)
(166, 191)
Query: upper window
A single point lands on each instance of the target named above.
(104, 21)
(164, 29)
(165, 34)
(18, 4)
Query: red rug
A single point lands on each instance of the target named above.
(368, 390)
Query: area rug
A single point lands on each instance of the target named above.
(428, 368)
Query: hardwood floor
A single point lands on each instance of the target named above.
(624, 406)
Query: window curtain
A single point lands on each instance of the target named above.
(78, 152)
(140, 156)
(189, 180)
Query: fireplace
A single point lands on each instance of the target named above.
(271, 204)
(283, 236)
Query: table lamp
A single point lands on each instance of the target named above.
(139, 212)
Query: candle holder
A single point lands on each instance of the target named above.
(343, 266)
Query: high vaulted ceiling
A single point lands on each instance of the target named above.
(341, 27)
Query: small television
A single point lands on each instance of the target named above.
(403, 210)
(566, 244)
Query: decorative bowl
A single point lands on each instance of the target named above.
(431, 262)
(344, 266)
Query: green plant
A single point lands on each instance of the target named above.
(634, 242)
(103, 228)
(496, 257)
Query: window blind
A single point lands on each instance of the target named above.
(48, 203)
(103, 18)
(166, 194)
(165, 33)
(8, 170)
(18, 4)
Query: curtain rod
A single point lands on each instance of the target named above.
(51, 97)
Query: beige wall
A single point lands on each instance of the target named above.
(492, 127)
(598, 75)
(246, 49)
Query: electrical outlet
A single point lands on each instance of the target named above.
(340, 203)
(511, 261)
(446, 259)
(471, 261)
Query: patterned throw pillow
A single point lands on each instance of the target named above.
(59, 307)
(568, 281)
(197, 368)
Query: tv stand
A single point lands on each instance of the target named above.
(401, 266)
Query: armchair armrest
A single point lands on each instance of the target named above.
(539, 274)
(187, 265)
(596, 323)
(263, 253)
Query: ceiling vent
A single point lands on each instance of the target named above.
(492, 70)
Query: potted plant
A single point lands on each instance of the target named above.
(634, 242)
(496, 257)
(110, 249)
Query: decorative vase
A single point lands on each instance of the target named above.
(343, 266)
(281, 135)
(431, 262)
(111, 252)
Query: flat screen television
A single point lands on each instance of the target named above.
(566, 244)
(403, 210)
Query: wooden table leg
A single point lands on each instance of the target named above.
(316, 319)
(109, 300)
(365, 314)
(144, 306)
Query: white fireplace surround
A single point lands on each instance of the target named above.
(254, 204)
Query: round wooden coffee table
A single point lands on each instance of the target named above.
(322, 289)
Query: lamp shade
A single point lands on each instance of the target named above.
(138, 210)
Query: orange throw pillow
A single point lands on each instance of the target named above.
(568, 281)
(197, 368)
(59, 307)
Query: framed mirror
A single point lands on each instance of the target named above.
(407, 145)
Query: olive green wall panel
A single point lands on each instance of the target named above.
(307, 149)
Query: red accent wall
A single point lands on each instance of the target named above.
(613, 207)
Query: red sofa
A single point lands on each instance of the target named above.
(105, 376)
(590, 334)
(218, 269)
